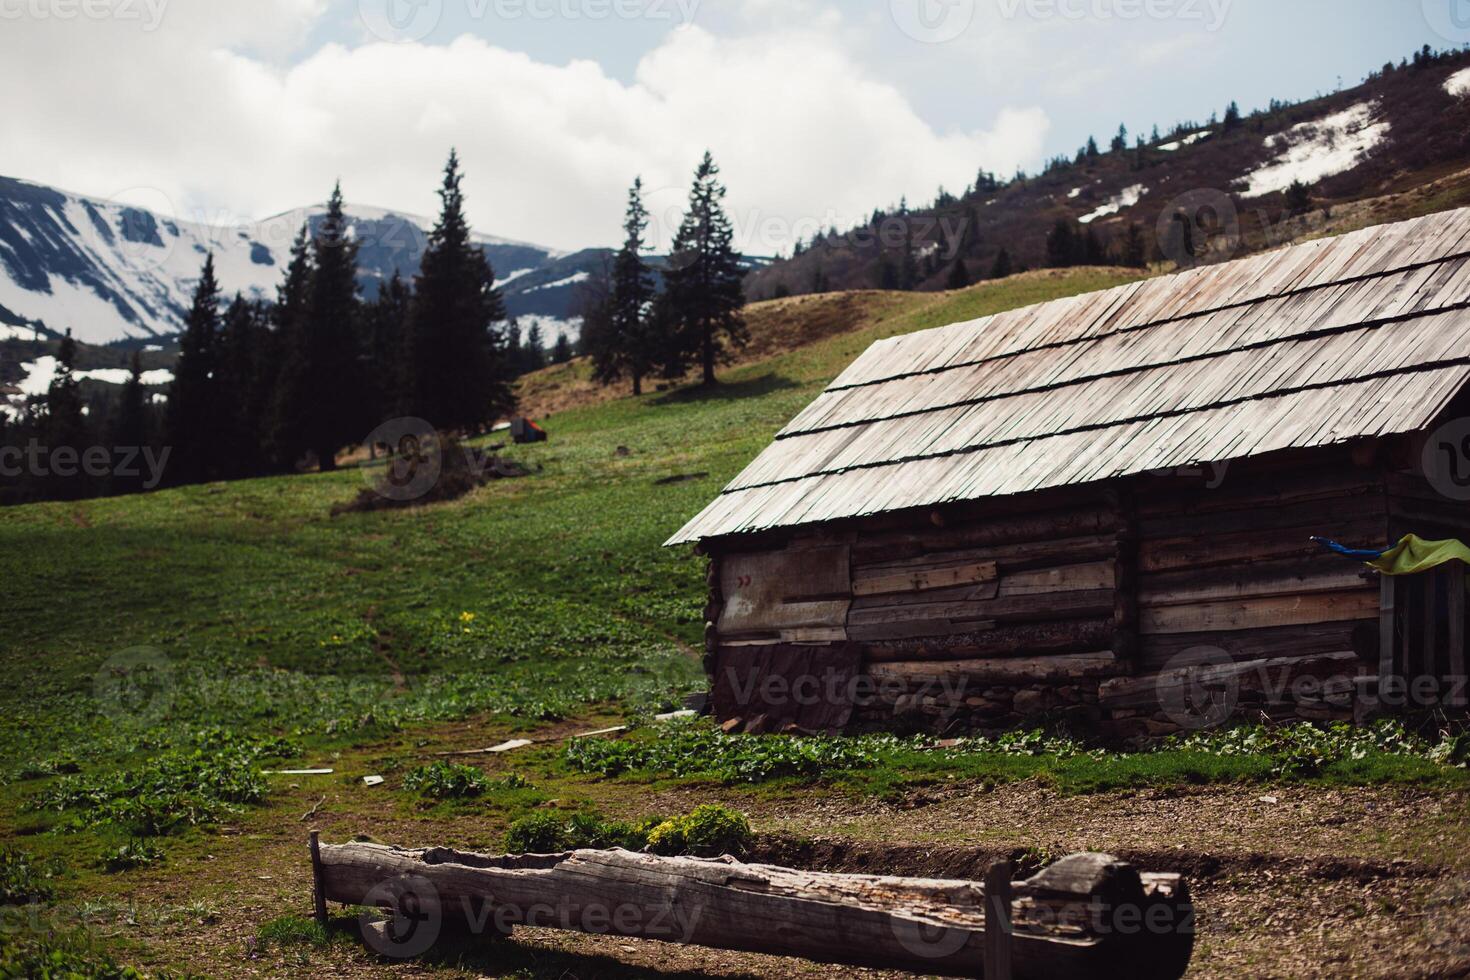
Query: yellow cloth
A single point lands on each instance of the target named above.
(1413, 555)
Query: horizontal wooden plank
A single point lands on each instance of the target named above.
(916, 629)
(1250, 613)
(1002, 670)
(924, 580)
(1091, 576)
(1303, 639)
(1059, 605)
(1327, 573)
(1020, 639)
(1198, 551)
(1148, 690)
(1010, 557)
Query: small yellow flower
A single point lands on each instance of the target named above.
(466, 617)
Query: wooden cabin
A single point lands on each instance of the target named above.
(1100, 510)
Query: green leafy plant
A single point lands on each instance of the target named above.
(133, 854)
(709, 831)
(447, 781)
(22, 880)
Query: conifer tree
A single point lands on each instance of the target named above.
(959, 276)
(132, 425)
(291, 398)
(385, 377)
(1002, 266)
(1135, 252)
(459, 375)
(1232, 116)
(1061, 245)
(1120, 140)
(193, 399)
(535, 354)
(319, 376)
(244, 387)
(561, 353)
(703, 281)
(622, 344)
(65, 425)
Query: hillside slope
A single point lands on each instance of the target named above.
(1403, 130)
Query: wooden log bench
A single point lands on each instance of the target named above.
(1087, 915)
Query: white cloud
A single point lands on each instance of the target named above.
(203, 112)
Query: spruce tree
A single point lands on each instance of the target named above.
(1061, 245)
(459, 375)
(535, 354)
(1135, 251)
(319, 375)
(703, 280)
(1002, 266)
(959, 276)
(384, 377)
(625, 346)
(64, 426)
(561, 353)
(132, 425)
(291, 398)
(1120, 140)
(236, 385)
(194, 405)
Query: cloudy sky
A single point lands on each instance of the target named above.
(227, 110)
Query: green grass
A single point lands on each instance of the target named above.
(138, 620)
(885, 764)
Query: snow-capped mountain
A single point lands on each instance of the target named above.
(111, 272)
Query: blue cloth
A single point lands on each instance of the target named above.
(1364, 554)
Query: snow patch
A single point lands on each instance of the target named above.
(551, 327)
(503, 280)
(1311, 151)
(1073, 192)
(1184, 141)
(1458, 84)
(7, 332)
(42, 371)
(570, 280)
(1126, 199)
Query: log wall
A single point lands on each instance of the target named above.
(1097, 607)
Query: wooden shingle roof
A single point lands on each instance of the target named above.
(1367, 334)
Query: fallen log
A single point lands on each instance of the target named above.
(1088, 915)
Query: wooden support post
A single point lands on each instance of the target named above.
(1387, 640)
(318, 886)
(1429, 642)
(998, 927)
(1455, 602)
